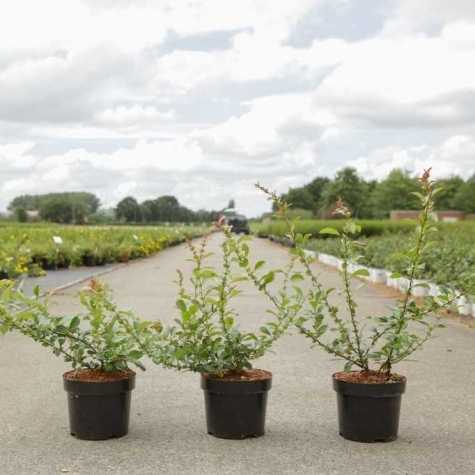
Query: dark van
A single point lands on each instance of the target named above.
(238, 224)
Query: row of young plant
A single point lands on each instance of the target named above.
(313, 227)
(104, 342)
(448, 261)
(26, 249)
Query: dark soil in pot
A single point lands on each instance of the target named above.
(236, 403)
(368, 405)
(99, 403)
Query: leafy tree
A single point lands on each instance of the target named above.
(128, 210)
(445, 199)
(89, 201)
(60, 210)
(27, 202)
(204, 216)
(21, 215)
(56, 210)
(348, 186)
(301, 198)
(59, 207)
(167, 205)
(464, 199)
(185, 215)
(148, 211)
(307, 197)
(316, 187)
(166, 208)
(395, 193)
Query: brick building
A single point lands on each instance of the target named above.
(445, 216)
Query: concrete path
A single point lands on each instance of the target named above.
(57, 279)
(167, 434)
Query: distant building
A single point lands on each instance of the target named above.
(449, 216)
(33, 214)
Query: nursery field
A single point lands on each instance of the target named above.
(449, 261)
(33, 249)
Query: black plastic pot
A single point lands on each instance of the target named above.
(99, 410)
(369, 412)
(235, 409)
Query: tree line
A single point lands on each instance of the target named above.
(70, 207)
(376, 199)
(83, 207)
(162, 209)
(366, 198)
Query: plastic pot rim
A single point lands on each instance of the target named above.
(226, 386)
(392, 389)
(99, 388)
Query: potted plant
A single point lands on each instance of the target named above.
(368, 390)
(207, 339)
(95, 344)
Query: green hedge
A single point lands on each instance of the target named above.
(313, 227)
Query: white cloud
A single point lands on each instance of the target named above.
(253, 57)
(106, 95)
(403, 80)
(427, 15)
(133, 116)
(135, 25)
(274, 125)
(454, 156)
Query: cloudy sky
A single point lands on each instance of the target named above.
(202, 98)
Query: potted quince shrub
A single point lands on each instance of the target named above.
(97, 346)
(207, 339)
(368, 390)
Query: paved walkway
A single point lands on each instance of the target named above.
(56, 279)
(167, 435)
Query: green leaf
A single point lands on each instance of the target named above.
(360, 273)
(135, 355)
(74, 323)
(352, 228)
(259, 264)
(416, 193)
(207, 274)
(265, 330)
(181, 305)
(331, 231)
(266, 279)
